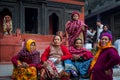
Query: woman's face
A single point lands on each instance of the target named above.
(7, 18)
(75, 17)
(78, 44)
(105, 28)
(32, 47)
(57, 41)
(104, 40)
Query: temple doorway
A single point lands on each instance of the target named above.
(53, 24)
(31, 20)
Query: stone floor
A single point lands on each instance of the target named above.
(6, 70)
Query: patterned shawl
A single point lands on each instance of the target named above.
(82, 52)
(28, 57)
(74, 28)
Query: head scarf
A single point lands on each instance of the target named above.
(73, 13)
(28, 44)
(27, 56)
(108, 35)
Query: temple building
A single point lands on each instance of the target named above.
(35, 19)
(32, 19)
(39, 16)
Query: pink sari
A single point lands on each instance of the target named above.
(81, 52)
(74, 29)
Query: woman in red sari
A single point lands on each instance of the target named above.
(75, 28)
(52, 59)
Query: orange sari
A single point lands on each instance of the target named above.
(97, 55)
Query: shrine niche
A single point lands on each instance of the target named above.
(7, 25)
(53, 23)
(31, 21)
(6, 21)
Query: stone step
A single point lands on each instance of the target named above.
(5, 71)
(10, 40)
(10, 45)
(38, 37)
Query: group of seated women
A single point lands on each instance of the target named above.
(57, 62)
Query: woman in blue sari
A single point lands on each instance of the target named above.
(81, 58)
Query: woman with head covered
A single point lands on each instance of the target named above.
(104, 60)
(81, 58)
(26, 62)
(75, 28)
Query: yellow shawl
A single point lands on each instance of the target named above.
(28, 44)
(100, 48)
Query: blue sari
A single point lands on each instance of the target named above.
(83, 63)
(69, 66)
(82, 67)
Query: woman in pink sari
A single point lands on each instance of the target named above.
(81, 58)
(75, 28)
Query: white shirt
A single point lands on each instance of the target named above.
(90, 33)
(117, 45)
(99, 30)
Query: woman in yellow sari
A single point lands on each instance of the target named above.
(26, 62)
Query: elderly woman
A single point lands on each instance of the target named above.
(7, 25)
(81, 58)
(104, 60)
(75, 28)
(26, 62)
(53, 58)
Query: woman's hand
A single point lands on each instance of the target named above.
(108, 72)
(58, 61)
(45, 64)
(83, 28)
(25, 64)
(19, 65)
(75, 57)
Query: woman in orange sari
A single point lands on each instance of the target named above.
(104, 60)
